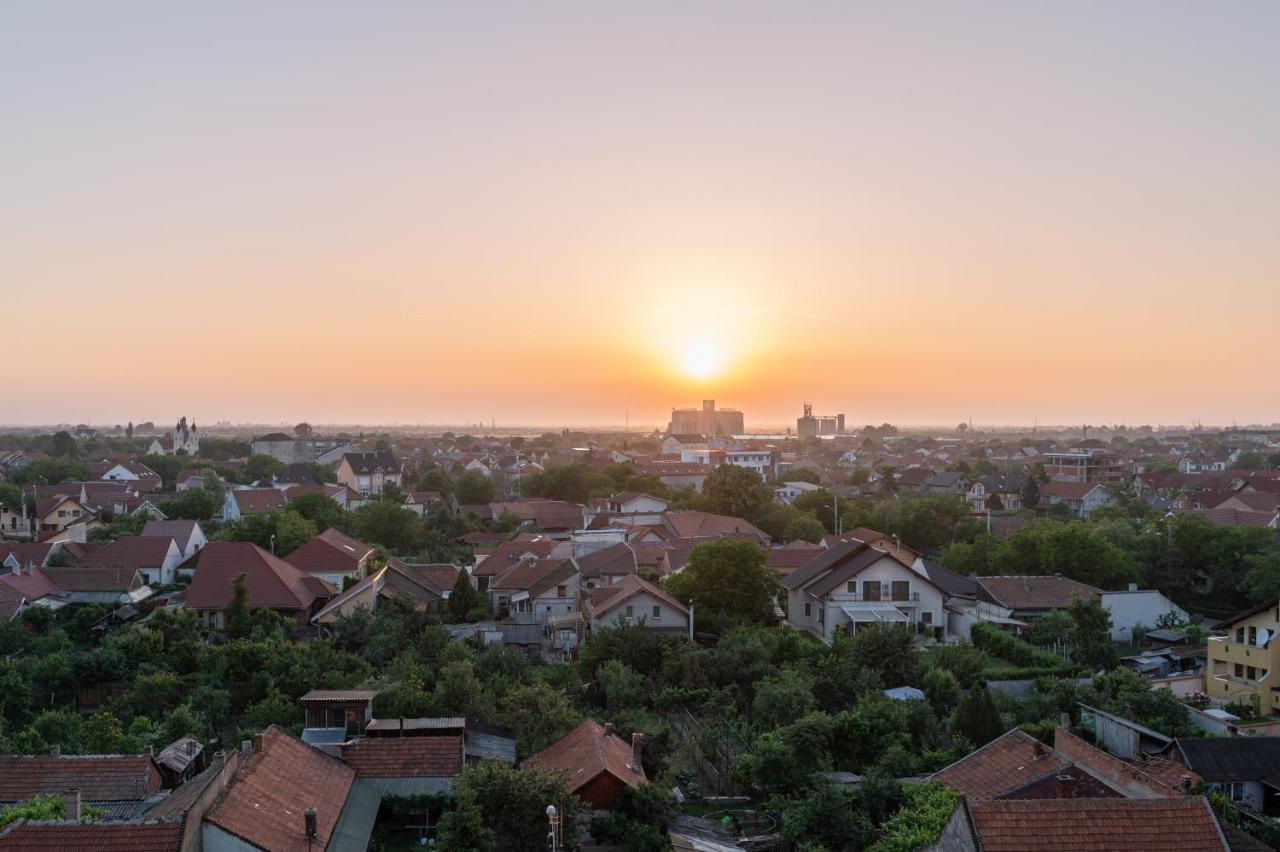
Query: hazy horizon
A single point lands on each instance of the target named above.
(556, 214)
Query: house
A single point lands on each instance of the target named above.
(1244, 769)
(682, 442)
(186, 534)
(636, 503)
(333, 557)
(297, 473)
(89, 584)
(54, 514)
(426, 586)
(180, 760)
(556, 518)
(607, 565)
(335, 715)
(791, 556)
(17, 555)
(1087, 825)
(420, 502)
(1080, 497)
(537, 589)
(946, 482)
(697, 524)
(789, 491)
(154, 557)
(76, 835)
(285, 797)
(596, 762)
(1244, 662)
(271, 582)
(996, 491)
(853, 584)
(369, 472)
(121, 785)
(1030, 596)
(251, 501)
(290, 450)
(406, 765)
(491, 562)
(632, 600)
(1138, 608)
(135, 472)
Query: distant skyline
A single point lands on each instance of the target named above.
(558, 213)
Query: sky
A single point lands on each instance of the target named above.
(588, 213)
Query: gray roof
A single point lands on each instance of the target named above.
(950, 582)
(615, 559)
(1223, 759)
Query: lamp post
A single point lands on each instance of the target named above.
(553, 835)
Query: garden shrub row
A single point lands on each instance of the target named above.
(1032, 661)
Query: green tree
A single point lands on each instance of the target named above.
(804, 475)
(536, 714)
(729, 581)
(825, 817)
(473, 488)
(782, 699)
(736, 491)
(322, 510)
(464, 829)
(388, 524)
(942, 689)
(235, 615)
(1054, 626)
(1091, 634)
(303, 431)
(62, 444)
(887, 649)
(463, 598)
(804, 528)
(259, 467)
(976, 718)
(1030, 493)
(514, 803)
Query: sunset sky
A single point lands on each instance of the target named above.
(557, 213)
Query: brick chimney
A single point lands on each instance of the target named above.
(637, 746)
(608, 729)
(246, 747)
(1184, 784)
(71, 804)
(150, 752)
(1066, 787)
(55, 751)
(1064, 721)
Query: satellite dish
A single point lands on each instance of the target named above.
(1263, 636)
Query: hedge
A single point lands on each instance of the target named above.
(1032, 661)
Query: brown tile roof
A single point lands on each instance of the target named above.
(696, 524)
(134, 551)
(148, 836)
(340, 695)
(505, 555)
(1007, 762)
(1067, 489)
(330, 551)
(94, 578)
(585, 752)
(435, 575)
(179, 531)
(264, 802)
(1034, 592)
(31, 586)
(547, 514)
(253, 500)
(784, 560)
(24, 552)
(609, 598)
(405, 757)
(272, 582)
(101, 778)
(535, 576)
(1083, 825)
(615, 559)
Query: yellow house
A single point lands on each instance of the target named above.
(1244, 664)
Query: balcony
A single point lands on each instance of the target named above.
(858, 597)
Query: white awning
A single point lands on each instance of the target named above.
(868, 614)
(520, 596)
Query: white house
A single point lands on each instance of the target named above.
(789, 491)
(186, 534)
(632, 600)
(636, 502)
(1080, 497)
(1134, 607)
(853, 584)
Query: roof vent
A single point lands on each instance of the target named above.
(309, 823)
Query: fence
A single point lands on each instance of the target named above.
(714, 748)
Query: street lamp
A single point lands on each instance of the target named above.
(553, 836)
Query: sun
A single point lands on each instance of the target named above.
(703, 359)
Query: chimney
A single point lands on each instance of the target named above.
(71, 804)
(55, 751)
(1039, 749)
(608, 729)
(257, 742)
(246, 747)
(1066, 787)
(150, 752)
(1064, 721)
(402, 726)
(637, 745)
(1133, 587)
(309, 823)
(1184, 784)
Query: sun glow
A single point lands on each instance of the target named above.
(703, 359)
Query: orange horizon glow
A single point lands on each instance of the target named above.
(583, 215)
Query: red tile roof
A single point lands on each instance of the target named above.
(31, 586)
(505, 555)
(253, 500)
(405, 757)
(585, 752)
(264, 802)
(272, 582)
(1034, 592)
(1083, 825)
(134, 551)
(150, 836)
(94, 578)
(547, 514)
(330, 551)
(1005, 763)
(534, 576)
(33, 552)
(609, 598)
(101, 778)
(696, 524)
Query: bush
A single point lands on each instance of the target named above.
(1031, 659)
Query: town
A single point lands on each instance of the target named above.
(693, 638)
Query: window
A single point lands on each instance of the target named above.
(851, 587)
(871, 590)
(1251, 673)
(1239, 669)
(1240, 635)
(1253, 636)
(808, 609)
(630, 610)
(657, 612)
(562, 591)
(926, 617)
(901, 590)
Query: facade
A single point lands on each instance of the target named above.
(1244, 664)
(369, 473)
(815, 426)
(707, 420)
(1080, 497)
(632, 600)
(597, 762)
(1138, 607)
(1083, 465)
(290, 450)
(853, 584)
(271, 583)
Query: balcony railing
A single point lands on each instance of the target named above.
(859, 597)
